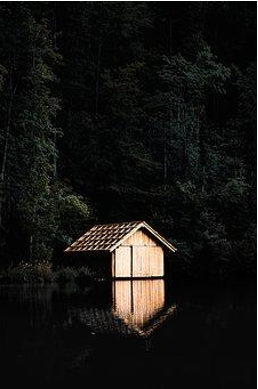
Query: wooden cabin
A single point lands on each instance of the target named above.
(131, 249)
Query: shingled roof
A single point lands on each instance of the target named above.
(107, 237)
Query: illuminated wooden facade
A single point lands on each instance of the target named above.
(135, 249)
(138, 256)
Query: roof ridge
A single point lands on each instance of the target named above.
(124, 222)
(131, 221)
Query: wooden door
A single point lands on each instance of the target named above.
(122, 262)
(148, 261)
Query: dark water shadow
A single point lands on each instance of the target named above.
(128, 334)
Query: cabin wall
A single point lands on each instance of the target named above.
(147, 261)
(121, 262)
(139, 256)
(140, 238)
(94, 260)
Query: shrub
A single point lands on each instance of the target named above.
(65, 275)
(30, 272)
(84, 275)
(43, 269)
(42, 272)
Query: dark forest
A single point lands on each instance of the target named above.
(119, 111)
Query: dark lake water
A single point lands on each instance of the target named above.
(128, 334)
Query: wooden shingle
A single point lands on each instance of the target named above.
(107, 237)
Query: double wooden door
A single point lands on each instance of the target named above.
(138, 261)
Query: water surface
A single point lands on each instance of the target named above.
(128, 334)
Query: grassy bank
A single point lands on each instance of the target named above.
(44, 272)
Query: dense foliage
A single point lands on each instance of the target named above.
(116, 111)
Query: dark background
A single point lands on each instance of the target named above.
(114, 111)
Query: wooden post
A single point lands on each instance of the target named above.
(132, 297)
(114, 263)
(131, 261)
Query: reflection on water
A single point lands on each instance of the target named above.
(52, 337)
(138, 302)
(138, 307)
(128, 307)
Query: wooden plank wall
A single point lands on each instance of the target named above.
(138, 256)
(122, 262)
(148, 261)
(141, 239)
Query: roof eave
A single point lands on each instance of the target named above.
(85, 251)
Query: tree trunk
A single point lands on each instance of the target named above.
(7, 135)
(55, 158)
(31, 247)
(5, 153)
(165, 157)
(169, 36)
(97, 78)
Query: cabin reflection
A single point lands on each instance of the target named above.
(138, 301)
(138, 308)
